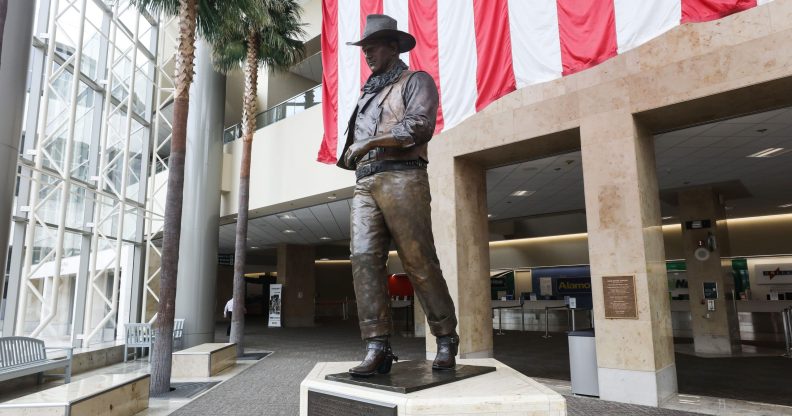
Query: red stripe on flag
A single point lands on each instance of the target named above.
(367, 7)
(588, 33)
(425, 57)
(705, 10)
(327, 152)
(495, 72)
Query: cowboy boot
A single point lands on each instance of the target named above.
(447, 347)
(379, 358)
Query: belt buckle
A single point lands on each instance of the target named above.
(365, 170)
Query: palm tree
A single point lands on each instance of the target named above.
(270, 38)
(205, 16)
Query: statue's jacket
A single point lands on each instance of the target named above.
(407, 108)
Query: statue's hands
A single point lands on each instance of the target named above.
(355, 152)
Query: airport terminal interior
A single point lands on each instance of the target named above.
(621, 236)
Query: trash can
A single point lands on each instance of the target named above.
(583, 362)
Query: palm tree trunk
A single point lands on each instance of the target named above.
(3, 13)
(248, 127)
(163, 343)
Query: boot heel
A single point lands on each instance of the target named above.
(387, 363)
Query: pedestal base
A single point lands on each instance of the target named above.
(411, 376)
(504, 392)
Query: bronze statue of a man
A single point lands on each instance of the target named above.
(386, 145)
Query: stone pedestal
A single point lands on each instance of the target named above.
(203, 360)
(500, 392)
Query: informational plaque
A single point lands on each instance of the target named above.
(619, 295)
(321, 404)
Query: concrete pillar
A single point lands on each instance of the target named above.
(296, 274)
(635, 357)
(718, 331)
(459, 223)
(17, 35)
(195, 296)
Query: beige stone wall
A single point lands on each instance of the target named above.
(694, 73)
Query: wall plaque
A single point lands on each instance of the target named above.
(321, 404)
(619, 296)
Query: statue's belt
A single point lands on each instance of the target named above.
(388, 165)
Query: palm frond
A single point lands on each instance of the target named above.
(211, 13)
(277, 25)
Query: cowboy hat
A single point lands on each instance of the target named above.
(380, 26)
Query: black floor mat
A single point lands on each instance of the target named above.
(189, 390)
(254, 356)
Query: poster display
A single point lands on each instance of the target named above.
(275, 305)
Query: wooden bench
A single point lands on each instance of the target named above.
(22, 356)
(203, 360)
(104, 394)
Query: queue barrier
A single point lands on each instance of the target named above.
(785, 315)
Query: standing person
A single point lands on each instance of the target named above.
(227, 313)
(386, 146)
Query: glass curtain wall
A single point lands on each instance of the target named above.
(77, 251)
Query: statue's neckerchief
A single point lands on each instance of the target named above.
(376, 83)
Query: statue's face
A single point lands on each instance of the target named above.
(380, 55)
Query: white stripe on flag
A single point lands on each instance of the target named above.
(456, 37)
(398, 10)
(761, 2)
(348, 65)
(639, 21)
(536, 46)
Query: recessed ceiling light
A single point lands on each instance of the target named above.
(785, 206)
(490, 215)
(667, 218)
(325, 238)
(522, 193)
(254, 247)
(770, 152)
(286, 217)
(289, 231)
(332, 197)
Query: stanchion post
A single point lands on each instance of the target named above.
(786, 314)
(547, 332)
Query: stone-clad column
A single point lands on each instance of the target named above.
(459, 223)
(296, 272)
(635, 357)
(718, 331)
(17, 34)
(195, 296)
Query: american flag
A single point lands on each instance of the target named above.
(480, 50)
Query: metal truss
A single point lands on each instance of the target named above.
(161, 136)
(85, 196)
